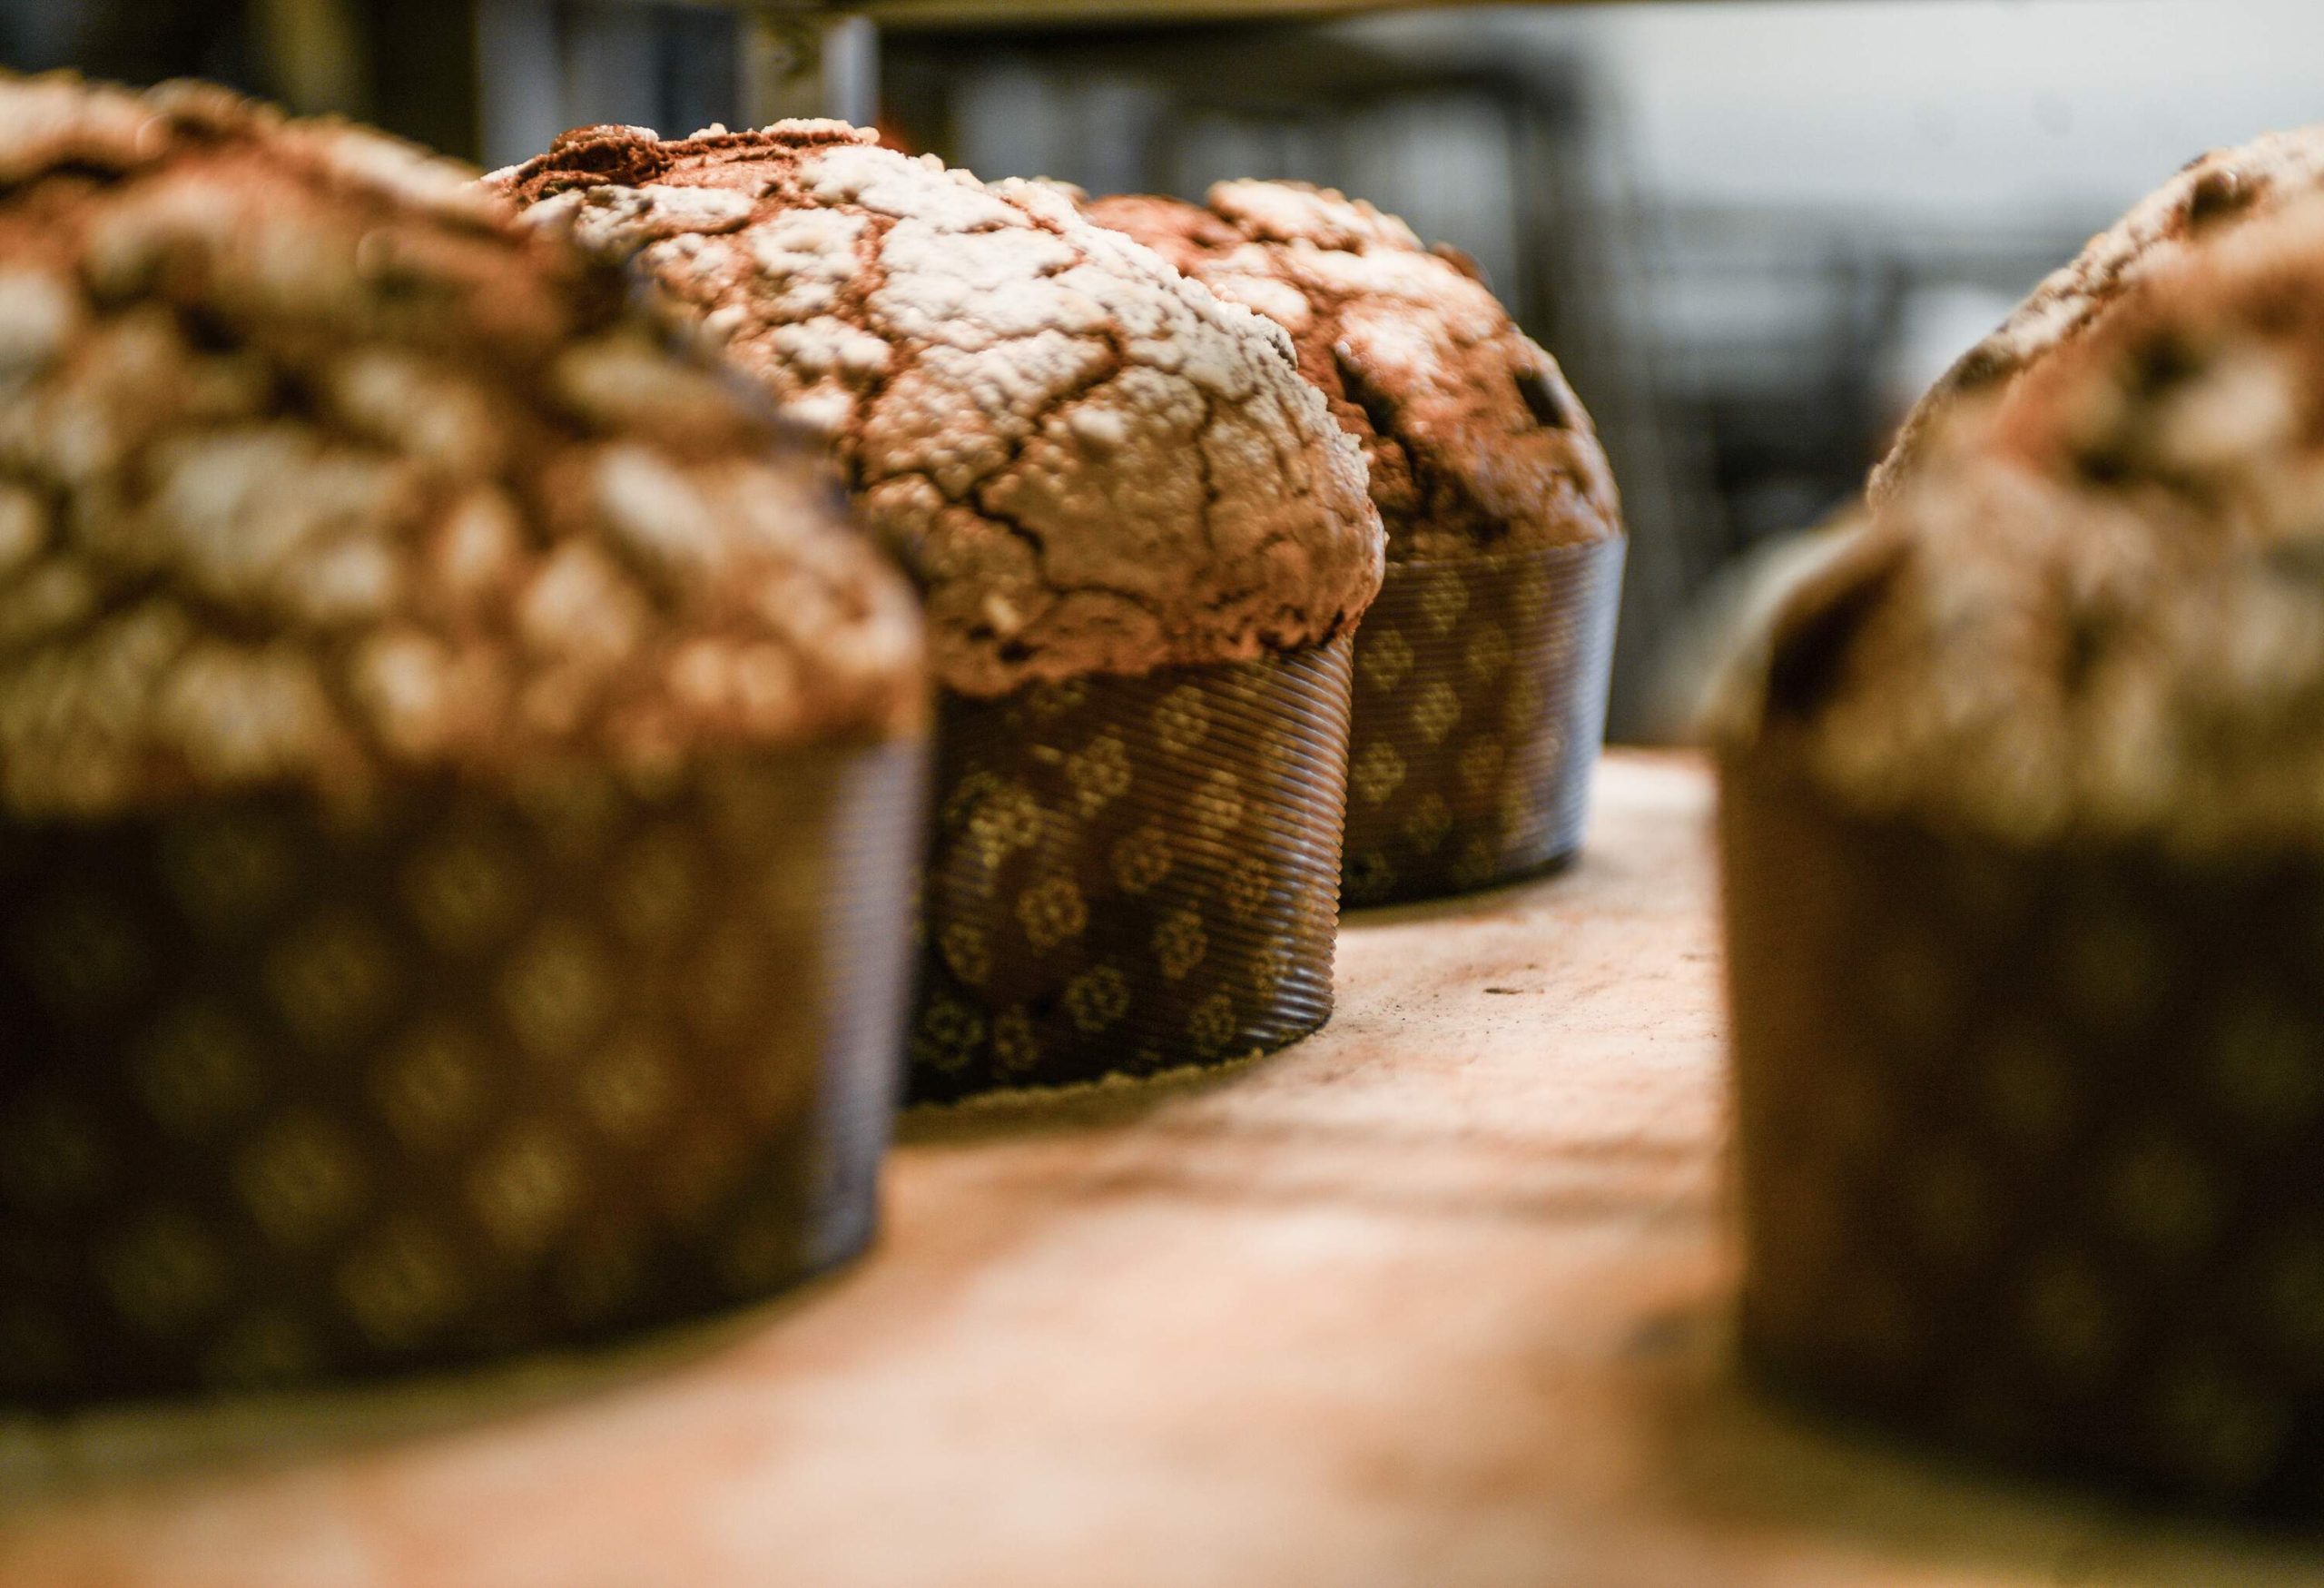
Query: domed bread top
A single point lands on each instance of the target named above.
(2096, 609)
(316, 467)
(1476, 443)
(1093, 465)
(2209, 198)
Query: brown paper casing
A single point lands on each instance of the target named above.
(1132, 874)
(1479, 702)
(2028, 1143)
(289, 1094)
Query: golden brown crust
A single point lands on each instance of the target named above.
(316, 469)
(1474, 439)
(2096, 608)
(1093, 465)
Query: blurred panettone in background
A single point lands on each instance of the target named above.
(1482, 670)
(1475, 441)
(459, 771)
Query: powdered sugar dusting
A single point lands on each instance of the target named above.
(1092, 463)
(1473, 440)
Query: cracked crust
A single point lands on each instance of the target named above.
(2209, 198)
(1474, 439)
(2096, 610)
(1092, 465)
(316, 469)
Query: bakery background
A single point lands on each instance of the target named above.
(1437, 1298)
(1750, 232)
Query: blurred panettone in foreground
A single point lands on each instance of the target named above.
(2211, 196)
(2094, 611)
(317, 471)
(457, 769)
(2022, 816)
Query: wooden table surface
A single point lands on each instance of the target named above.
(1435, 1297)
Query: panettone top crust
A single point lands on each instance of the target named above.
(2095, 611)
(1476, 443)
(316, 468)
(1092, 464)
(2208, 199)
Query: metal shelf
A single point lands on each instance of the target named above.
(1090, 14)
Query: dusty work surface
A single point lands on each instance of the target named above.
(1435, 1297)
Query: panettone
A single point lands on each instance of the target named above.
(1475, 441)
(1091, 465)
(1143, 545)
(2212, 195)
(2093, 619)
(1482, 669)
(315, 473)
(2023, 844)
(457, 765)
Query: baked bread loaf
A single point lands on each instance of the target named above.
(459, 768)
(2023, 843)
(1144, 544)
(2210, 196)
(1475, 441)
(314, 469)
(1481, 668)
(2092, 609)
(1092, 466)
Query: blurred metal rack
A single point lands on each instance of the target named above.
(807, 57)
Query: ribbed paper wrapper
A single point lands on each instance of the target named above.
(2028, 1143)
(1480, 703)
(1131, 875)
(293, 1094)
